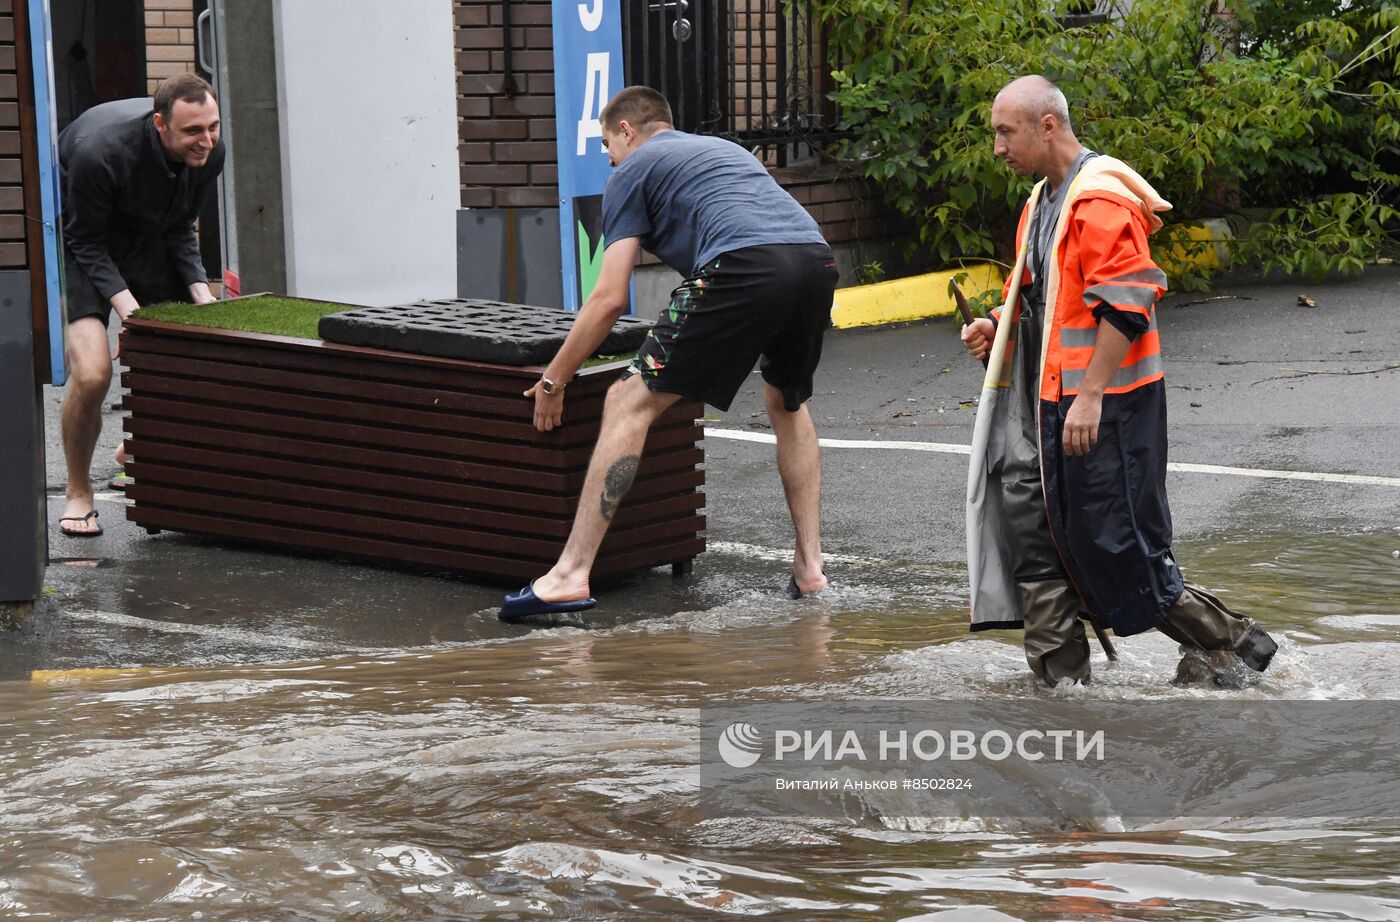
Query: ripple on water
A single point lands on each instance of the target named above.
(701, 884)
(556, 773)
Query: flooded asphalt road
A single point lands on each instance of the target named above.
(193, 730)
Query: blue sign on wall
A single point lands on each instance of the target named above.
(46, 122)
(587, 72)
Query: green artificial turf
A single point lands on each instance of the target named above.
(263, 314)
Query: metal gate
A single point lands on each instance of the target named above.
(754, 71)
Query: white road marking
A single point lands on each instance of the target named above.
(252, 639)
(1366, 479)
(785, 554)
(1178, 467)
(739, 436)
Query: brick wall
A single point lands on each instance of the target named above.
(21, 233)
(169, 40)
(13, 251)
(844, 205)
(754, 59)
(506, 134)
(506, 150)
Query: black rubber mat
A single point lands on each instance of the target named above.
(478, 331)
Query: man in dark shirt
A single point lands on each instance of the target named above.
(134, 175)
(759, 280)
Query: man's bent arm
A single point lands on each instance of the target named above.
(124, 303)
(182, 248)
(201, 294)
(599, 312)
(181, 241)
(1082, 420)
(87, 210)
(595, 319)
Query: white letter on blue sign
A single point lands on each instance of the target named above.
(593, 18)
(594, 97)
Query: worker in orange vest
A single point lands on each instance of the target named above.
(1067, 503)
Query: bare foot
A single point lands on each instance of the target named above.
(120, 456)
(553, 587)
(809, 576)
(77, 519)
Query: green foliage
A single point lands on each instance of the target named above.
(1291, 106)
(870, 273)
(981, 304)
(1335, 233)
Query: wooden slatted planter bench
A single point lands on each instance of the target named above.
(388, 455)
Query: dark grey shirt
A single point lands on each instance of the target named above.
(122, 198)
(1040, 239)
(691, 198)
(1040, 235)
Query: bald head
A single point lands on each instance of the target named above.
(1030, 119)
(1033, 98)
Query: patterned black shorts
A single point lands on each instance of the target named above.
(770, 302)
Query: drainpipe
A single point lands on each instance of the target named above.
(505, 44)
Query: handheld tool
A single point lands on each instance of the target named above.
(965, 310)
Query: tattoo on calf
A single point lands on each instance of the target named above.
(616, 484)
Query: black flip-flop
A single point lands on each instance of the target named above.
(794, 593)
(79, 518)
(525, 603)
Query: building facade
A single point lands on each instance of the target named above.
(752, 70)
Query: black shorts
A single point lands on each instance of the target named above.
(772, 302)
(150, 278)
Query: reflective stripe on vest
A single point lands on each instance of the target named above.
(1088, 337)
(1146, 276)
(1118, 295)
(1125, 377)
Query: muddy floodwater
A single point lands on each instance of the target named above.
(482, 771)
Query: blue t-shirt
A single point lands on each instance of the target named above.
(691, 198)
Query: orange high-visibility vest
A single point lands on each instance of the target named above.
(1101, 257)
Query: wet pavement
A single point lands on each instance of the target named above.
(194, 727)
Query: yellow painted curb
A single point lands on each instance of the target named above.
(913, 298)
(1182, 247)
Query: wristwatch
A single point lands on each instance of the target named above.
(550, 388)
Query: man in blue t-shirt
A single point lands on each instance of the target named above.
(759, 280)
